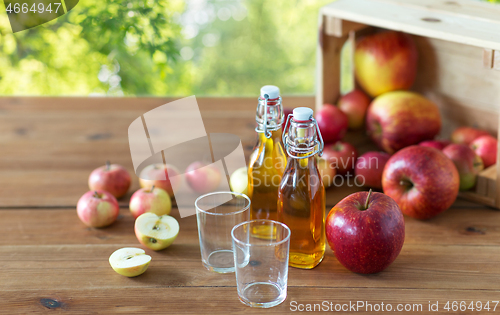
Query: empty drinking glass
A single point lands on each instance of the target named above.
(261, 262)
(217, 213)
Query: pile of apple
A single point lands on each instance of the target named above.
(150, 206)
(419, 175)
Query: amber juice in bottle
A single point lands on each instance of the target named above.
(268, 160)
(301, 195)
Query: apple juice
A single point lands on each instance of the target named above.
(268, 159)
(301, 195)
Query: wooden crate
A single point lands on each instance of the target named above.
(459, 54)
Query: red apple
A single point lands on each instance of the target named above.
(385, 62)
(366, 231)
(155, 200)
(332, 123)
(286, 113)
(466, 135)
(422, 180)
(437, 144)
(202, 178)
(354, 104)
(112, 178)
(327, 172)
(399, 119)
(158, 175)
(97, 208)
(486, 147)
(341, 156)
(468, 164)
(370, 167)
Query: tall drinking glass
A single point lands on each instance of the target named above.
(261, 262)
(217, 213)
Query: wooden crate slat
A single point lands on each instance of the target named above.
(478, 10)
(418, 21)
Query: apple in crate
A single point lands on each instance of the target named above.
(366, 231)
(129, 261)
(155, 200)
(327, 172)
(156, 232)
(438, 144)
(158, 175)
(202, 178)
(422, 180)
(97, 208)
(239, 181)
(399, 119)
(341, 156)
(465, 135)
(385, 62)
(468, 164)
(332, 123)
(354, 104)
(370, 167)
(486, 147)
(112, 178)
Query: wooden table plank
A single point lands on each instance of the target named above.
(54, 250)
(457, 226)
(203, 300)
(71, 267)
(50, 145)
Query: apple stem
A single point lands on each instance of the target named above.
(152, 187)
(108, 165)
(368, 199)
(96, 195)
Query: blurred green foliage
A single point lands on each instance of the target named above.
(103, 47)
(132, 47)
(165, 47)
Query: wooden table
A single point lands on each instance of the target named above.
(50, 260)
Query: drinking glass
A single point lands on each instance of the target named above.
(261, 262)
(217, 213)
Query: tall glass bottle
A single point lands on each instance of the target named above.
(301, 195)
(268, 160)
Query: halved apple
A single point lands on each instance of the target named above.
(156, 232)
(129, 261)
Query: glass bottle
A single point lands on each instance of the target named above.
(268, 159)
(301, 195)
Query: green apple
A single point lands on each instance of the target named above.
(129, 261)
(156, 232)
(239, 181)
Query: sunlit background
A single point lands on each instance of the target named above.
(160, 47)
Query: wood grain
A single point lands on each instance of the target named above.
(195, 300)
(52, 262)
(50, 145)
(464, 224)
(418, 19)
(50, 254)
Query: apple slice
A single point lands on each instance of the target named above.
(129, 261)
(156, 232)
